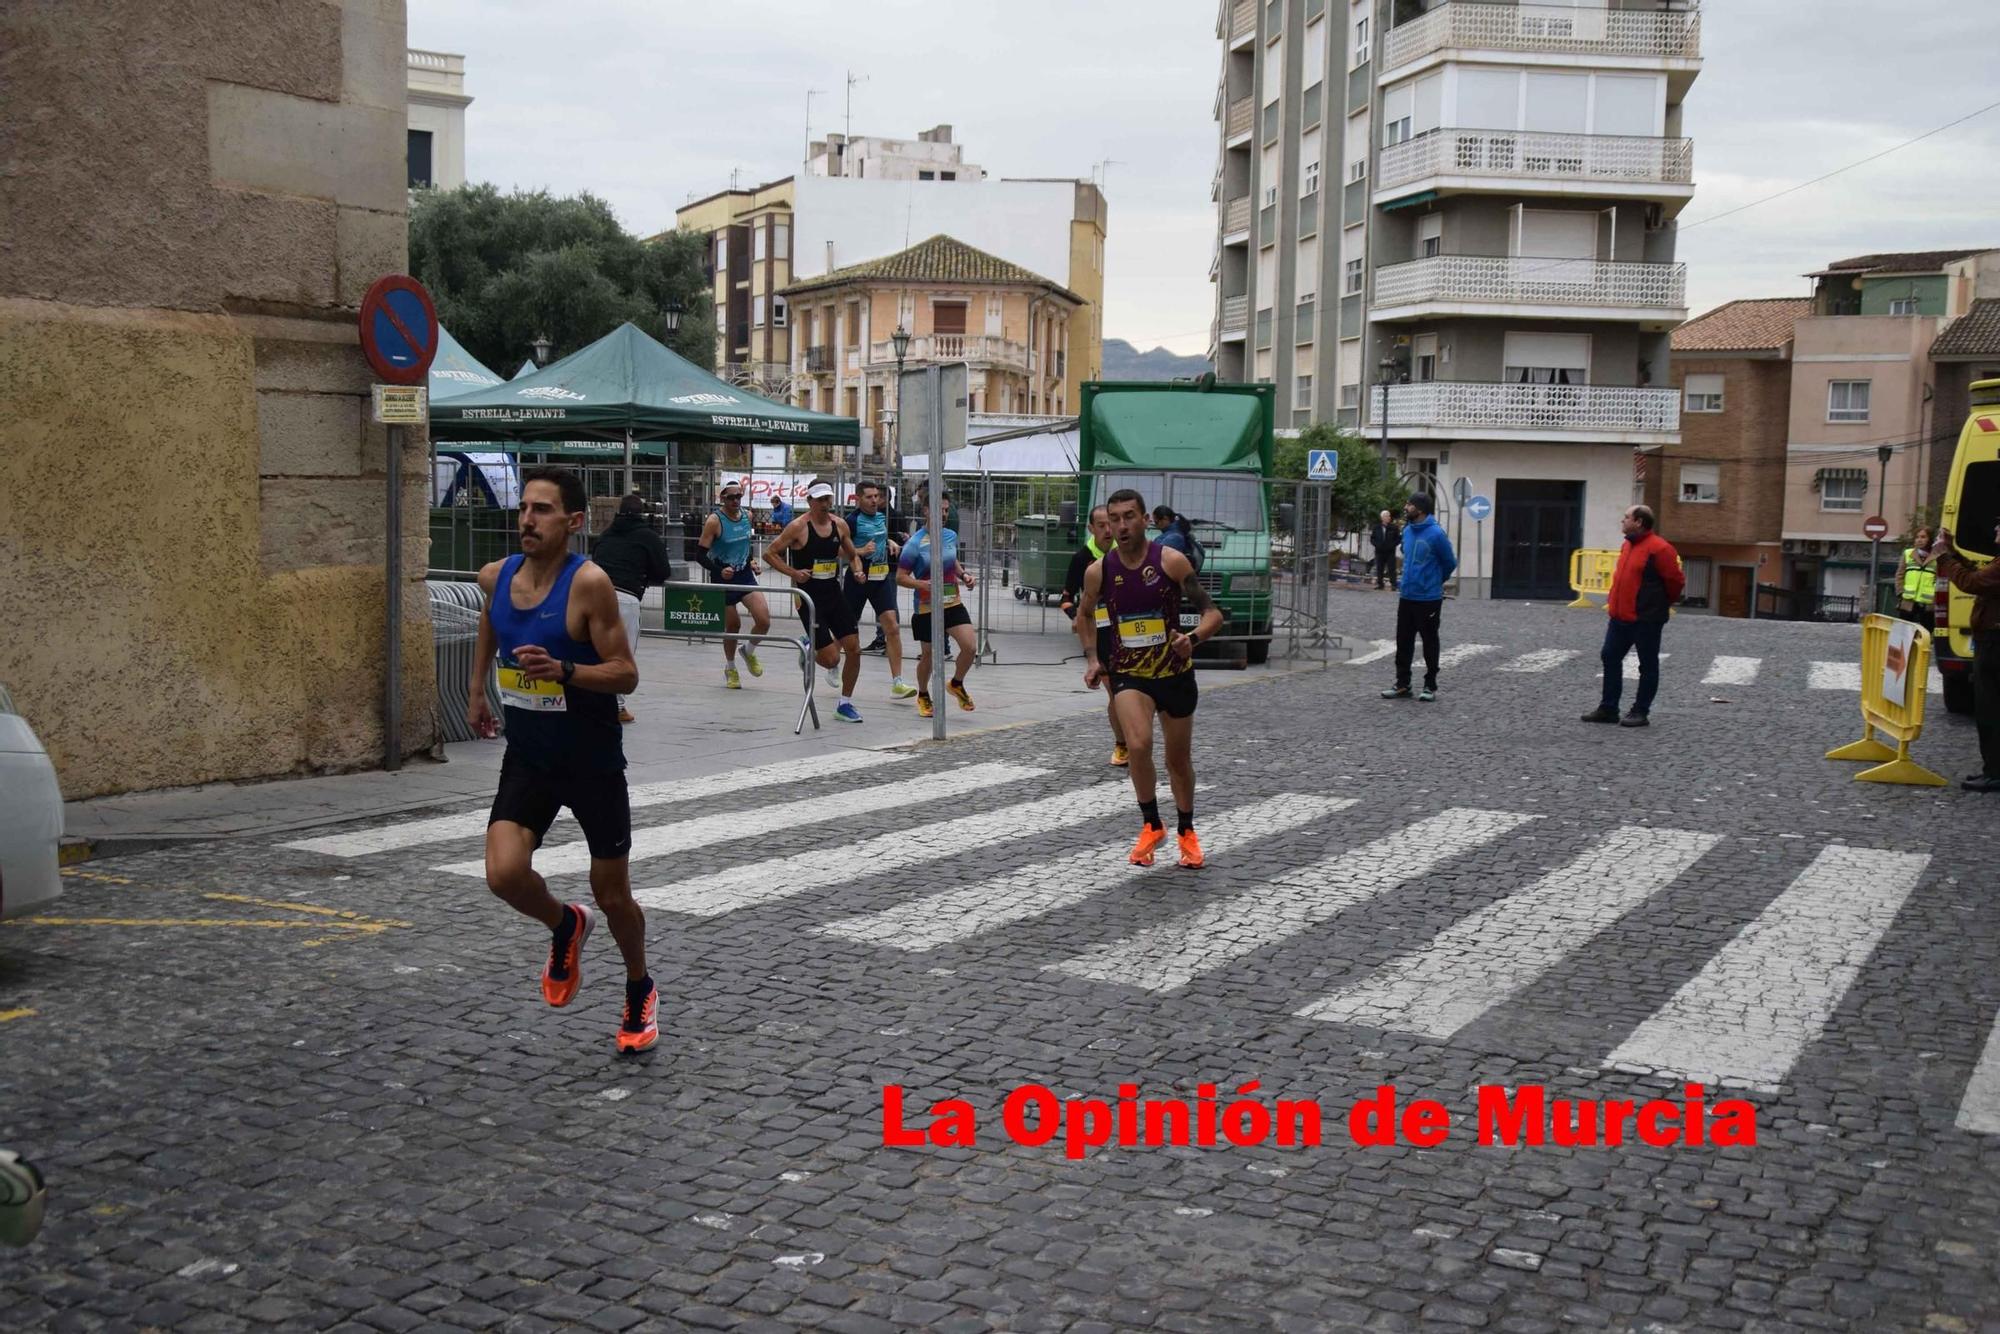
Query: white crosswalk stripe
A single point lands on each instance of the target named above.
(727, 826)
(1767, 994)
(1176, 952)
(472, 824)
(1541, 660)
(1847, 676)
(1499, 951)
(1727, 671)
(1979, 1110)
(1378, 649)
(1461, 653)
(956, 914)
(725, 891)
(1631, 666)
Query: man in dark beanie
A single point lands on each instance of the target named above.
(631, 552)
(1428, 561)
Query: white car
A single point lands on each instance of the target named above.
(31, 817)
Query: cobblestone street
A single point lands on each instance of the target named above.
(307, 1080)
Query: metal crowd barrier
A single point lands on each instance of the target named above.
(455, 608)
(1894, 653)
(693, 612)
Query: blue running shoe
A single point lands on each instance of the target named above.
(847, 713)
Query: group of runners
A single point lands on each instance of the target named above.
(552, 631)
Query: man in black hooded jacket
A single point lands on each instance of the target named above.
(631, 552)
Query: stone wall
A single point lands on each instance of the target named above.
(192, 567)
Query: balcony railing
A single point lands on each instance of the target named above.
(1460, 405)
(1236, 216)
(1530, 281)
(1235, 314)
(1512, 154)
(1242, 113)
(1574, 30)
(954, 347)
(819, 358)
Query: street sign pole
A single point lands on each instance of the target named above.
(392, 712)
(934, 521)
(1875, 528)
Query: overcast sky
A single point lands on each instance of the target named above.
(650, 103)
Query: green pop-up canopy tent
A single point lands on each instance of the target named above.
(455, 371)
(629, 387)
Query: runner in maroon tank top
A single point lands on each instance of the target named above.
(1142, 586)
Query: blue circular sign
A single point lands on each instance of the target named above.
(1478, 508)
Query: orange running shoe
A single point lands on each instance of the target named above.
(1150, 838)
(1191, 851)
(640, 1030)
(957, 690)
(923, 706)
(564, 972)
(1119, 756)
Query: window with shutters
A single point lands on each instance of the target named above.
(1430, 235)
(1543, 358)
(1845, 492)
(1703, 393)
(1701, 483)
(1352, 278)
(948, 317)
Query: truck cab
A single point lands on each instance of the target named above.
(1204, 449)
(1971, 508)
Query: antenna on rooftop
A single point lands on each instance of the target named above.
(811, 93)
(852, 79)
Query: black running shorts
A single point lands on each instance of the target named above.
(832, 620)
(878, 593)
(920, 624)
(531, 797)
(1174, 696)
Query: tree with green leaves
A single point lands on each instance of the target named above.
(504, 269)
(1359, 491)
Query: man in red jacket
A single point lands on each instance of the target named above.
(1644, 588)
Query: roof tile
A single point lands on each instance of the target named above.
(1973, 334)
(1757, 325)
(941, 259)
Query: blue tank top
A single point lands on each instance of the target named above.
(732, 543)
(872, 528)
(550, 725)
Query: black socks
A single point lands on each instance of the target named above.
(1186, 822)
(1151, 811)
(637, 987)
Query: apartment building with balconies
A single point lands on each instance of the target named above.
(1474, 201)
(868, 201)
(958, 303)
(1866, 420)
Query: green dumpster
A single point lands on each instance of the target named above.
(1042, 546)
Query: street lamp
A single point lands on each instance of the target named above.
(1388, 378)
(900, 341)
(1882, 454)
(673, 312)
(542, 347)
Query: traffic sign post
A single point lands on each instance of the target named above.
(1481, 509)
(399, 338)
(1874, 528)
(1322, 465)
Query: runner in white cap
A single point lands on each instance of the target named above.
(822, 539)
(725, 554)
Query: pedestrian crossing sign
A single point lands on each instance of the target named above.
(1322, 465)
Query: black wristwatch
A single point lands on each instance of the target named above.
(569, 670)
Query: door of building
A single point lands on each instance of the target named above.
(1733, 590)
(1536, 525)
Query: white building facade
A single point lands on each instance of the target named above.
(931, 156)
(1474, 202)
(437, 120)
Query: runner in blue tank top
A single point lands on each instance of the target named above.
(725, 554)
(871, 581)
(1143, 585)
(551, 618)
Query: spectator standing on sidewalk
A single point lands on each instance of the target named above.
(1383, 536)
(1983, 582)
(1645, 584)
(635, 557)
(1916, 582)
(1428, 561)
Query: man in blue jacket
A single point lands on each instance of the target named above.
(1428, 561)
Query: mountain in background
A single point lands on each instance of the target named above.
(1122, 361)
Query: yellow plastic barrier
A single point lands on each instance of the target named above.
(1590, 572)
(1900, 723)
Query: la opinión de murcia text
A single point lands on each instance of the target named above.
(1034, 1116)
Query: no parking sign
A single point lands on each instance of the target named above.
(399, 329)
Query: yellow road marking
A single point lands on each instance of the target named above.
(275, 923)
(7, 1016)
(352, 923)
(73, 873)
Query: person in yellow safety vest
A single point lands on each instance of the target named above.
(1917, 580)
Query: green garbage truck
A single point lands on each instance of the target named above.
(1203, 448)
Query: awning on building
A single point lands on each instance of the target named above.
(1825, 475)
